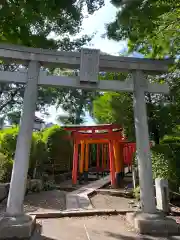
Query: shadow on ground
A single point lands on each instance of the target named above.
(140, 237)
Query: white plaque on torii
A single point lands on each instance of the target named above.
(89, 65)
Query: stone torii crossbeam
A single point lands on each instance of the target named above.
(90, 62)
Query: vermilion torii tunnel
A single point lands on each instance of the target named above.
(113, 151)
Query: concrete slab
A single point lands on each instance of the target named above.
(79, 199)
(92, 228)
(153, 224)
(83, 229)
(20, 227)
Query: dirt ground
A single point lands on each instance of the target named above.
(48, 201)
(89, 228)
(101, 201)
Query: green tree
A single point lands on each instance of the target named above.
(114, 107)
(14, 117)
(34, 23)
(31, 23)
(151, 27)
(163, 111)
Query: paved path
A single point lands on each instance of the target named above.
(92, 228)
(79, 199)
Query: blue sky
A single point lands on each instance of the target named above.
(95, 23)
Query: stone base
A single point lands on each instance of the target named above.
(20, 227)
(153, 224)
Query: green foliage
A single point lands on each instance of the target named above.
(151, 27)
(115, 108)
(5, 168)
(34, 185)
(165, 163)
(8, 138)
(136, 193)
(59, 149)
(170, 139)
(49, 147)
(163, 111)
(14, 117)
(49, 185)
(30, 23)
(38, 155)
(39, 24)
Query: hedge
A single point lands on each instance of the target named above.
(49, 148)
(166, 164)
(5, 168)
(59, 148)
(8, 139)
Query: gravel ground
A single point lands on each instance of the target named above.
(48, 201)
(101, 201)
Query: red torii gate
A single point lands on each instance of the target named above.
(113, 144)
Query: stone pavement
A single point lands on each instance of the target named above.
(79, 199)
(90, 228)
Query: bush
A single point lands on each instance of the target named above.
(59, 149)
(5, 168)
(136, 193)
(48, 147)
(170, 139)
(8, 138)
(38, 155)
(49, 185)
(165, 163)
(34, 185)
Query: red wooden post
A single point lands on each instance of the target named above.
(112, 166)
(108, 157)
(103, 155)
(75, 163)
(97, 158)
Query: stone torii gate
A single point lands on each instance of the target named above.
(90, 62)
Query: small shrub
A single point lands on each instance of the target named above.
(8, 138)
(170, 139)
(59, 149)
(165, 163)
(5, 168)
(49, 185)
(38, 154)
(136, 193)
(34, 185)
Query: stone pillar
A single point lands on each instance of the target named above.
(21, 163)
(143, 145)
(14, 211)
(162, 194)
